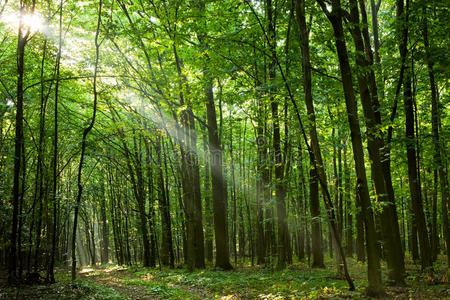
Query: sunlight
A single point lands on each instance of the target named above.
(86, 270)
(31, 22)
(114, 268)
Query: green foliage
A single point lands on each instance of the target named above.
(161, 289)
(83, 289)
(296, 282)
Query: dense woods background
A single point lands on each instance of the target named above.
(224, 133)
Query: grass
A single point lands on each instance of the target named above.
(245, 282)
(161, 289)
(82, 289)
(295, 283)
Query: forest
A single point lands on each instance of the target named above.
(234, 149)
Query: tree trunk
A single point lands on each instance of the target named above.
(39, 182)
(104, 254)
(283, 234)
(233, 197)
(301, 211)
(260, 191)
(134, 165)
(208, 207)
(313, 185)
(151, 213)
(414, 184)
(438, 151)
(348, 207)
(167, 255)
(190, 176)
(18, 148)
(218, 184)
(363, 200)
(50, 271)
(314, 206)
(83, 145)
(389, 222)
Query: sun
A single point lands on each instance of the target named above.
(30, 22)
(33, 22)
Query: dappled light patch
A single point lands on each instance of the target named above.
(148, 276)
(229, 297)
(269, 296)
(114, 268)
(86, 270)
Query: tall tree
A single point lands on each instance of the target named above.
(83, 142)
(167, 255)
(380, 176)
(363, 200)
(219, 185)
(438, 150)
(50, 272)
(316, 158)
(413, 178)
(283, 232)
(25, 7)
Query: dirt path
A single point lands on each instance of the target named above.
(113, 279)
(116, 278)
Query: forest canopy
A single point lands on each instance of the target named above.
(248, 138)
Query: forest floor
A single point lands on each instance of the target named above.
(245, 282)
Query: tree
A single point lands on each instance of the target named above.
(22, 39)
(83, 142)
(363, 200)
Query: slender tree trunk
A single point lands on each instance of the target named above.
(94, 249)
(21, 214)
(340, 193)
(438, 151)
(260, 169)
(197, 203)
(39, 184)
(233, 197)
(208, 207)
(190, 176)
(246, 184)
(83, 145)
(104, 254)
(151, 213)
(313, 185)
(167, 255)
(134, 164)
(301, 211)
(348, 204)
(218, 184)
(126, 230)
(50, 271)
(18, 148)
(434, 225)
(115, 224)
(314, 151)
(389, 222)
(414, 184)
(279, 168)
(314, 206)
(260, 192)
